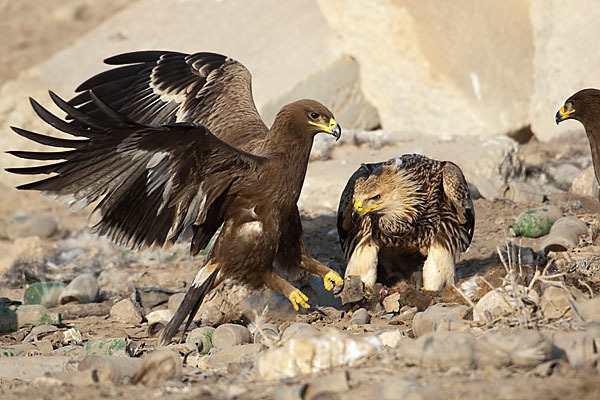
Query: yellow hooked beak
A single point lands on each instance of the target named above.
(358, 206)
(563, 114)
(333, 128)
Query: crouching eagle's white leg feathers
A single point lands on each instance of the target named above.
(438, 270)
(363, 262)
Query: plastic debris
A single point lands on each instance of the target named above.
(228, 335)
(564, 234)
(110, 346)
(15, 317)
(202, 337)
(44, 293)
(535, 222)
(110, 368)
(83, 289)
(332, 348)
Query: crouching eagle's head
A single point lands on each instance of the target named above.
(388, 191)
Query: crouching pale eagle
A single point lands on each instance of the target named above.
(171, 140)
(411, 205)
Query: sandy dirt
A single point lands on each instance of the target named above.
(24, 260)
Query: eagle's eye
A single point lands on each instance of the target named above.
(375, 198)
(314, 115)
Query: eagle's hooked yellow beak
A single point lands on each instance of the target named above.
(333, 128)
(358, 206)
(563, 114)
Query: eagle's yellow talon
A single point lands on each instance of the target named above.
(297, 297)
(332, 279)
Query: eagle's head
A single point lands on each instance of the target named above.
(388, 191)
(309, 117)
(581, 106)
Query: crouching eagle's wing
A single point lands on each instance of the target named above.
(163, 87)
(349, 231)
(151, 181)
(456, 190)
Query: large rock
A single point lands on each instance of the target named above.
(562, 62)
(441, 67)
(288, 47)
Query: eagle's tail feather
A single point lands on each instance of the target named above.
(191, 302)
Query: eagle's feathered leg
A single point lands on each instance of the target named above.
(363, 262)
(292, 253)
(206, 280)
(280, 285)
(438, 269)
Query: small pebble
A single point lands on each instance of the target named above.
(299, 330)
(126, 312)
(360, 317)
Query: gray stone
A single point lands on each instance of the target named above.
(29, 368)
(243, 353)
(360, 317)
(299, 330)
(588, 310)
(525, 349)
(42, 226)
(555, 303)
(486, 188)
(521, 192)
(426, 321)
(565, 174)
(325, 386)
(174, 301)
(157, 367)
(585, 184)
(440, 350)
(125, 311)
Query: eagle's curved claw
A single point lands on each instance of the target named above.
(332, 279)
(297, 297)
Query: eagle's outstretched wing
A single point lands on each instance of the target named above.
(152, 181)
(163, 87)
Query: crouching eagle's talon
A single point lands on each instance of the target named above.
(332, 279)
(297, 297)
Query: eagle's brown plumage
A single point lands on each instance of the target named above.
(584, 106)
(409, 205)
(175, 140)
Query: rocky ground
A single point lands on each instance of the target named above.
(536, 327)
(521, 322)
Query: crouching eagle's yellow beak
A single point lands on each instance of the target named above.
(358, 206)
(333, 128)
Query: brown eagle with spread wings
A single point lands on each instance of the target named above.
(409, 205)
(171, 140)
